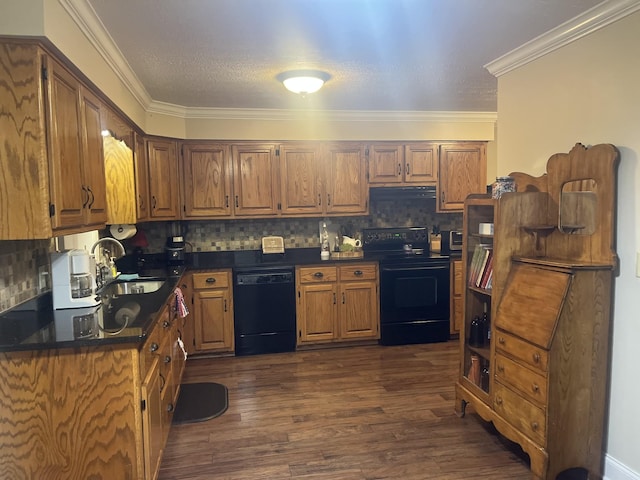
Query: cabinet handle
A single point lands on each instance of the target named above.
(442, 197)
(167, 359)
(328, 199)
(534, 425)
(237, 205)
(499, 400)
(344, 300)
(85, 196)
(163, 382)
(501, 368)
(93, 198)
(334, 299)
(399, 169)
(154, 347)
(210, 280)
(501, 340)
(318, 275)
(225, 304)
(166, 324)
(153, 202)
(170, 407)
(358, 273)
(536, 357)
(319, 199)
(535, 388)
(408, 172)
(226, 198)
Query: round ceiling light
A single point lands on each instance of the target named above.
(303, 81)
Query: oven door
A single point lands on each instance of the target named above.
(414, 303)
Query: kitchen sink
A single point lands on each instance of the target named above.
(135, 287)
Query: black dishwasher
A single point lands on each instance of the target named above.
(264, 310)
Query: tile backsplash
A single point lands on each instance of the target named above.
(21, 261)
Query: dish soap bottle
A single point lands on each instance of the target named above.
(324, 243)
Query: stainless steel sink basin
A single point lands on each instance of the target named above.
(135, 287)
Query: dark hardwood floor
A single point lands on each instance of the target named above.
(367, 412)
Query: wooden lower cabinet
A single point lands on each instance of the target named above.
(213, 311)
(337, 303)
(111, 406)
(457, 306)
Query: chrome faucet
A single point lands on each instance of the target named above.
(103, 270)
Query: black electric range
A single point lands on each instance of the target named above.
(414, 285)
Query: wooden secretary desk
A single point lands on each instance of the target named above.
(546, 363)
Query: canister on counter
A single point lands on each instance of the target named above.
(503, 185)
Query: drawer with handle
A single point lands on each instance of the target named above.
(204, 280)
(524, 380)
(530, 354)
(318, 274)
(358, 272)
(521, 413)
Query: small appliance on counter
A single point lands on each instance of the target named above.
(272, 244)
(175, 250)
(74, 282)
(451, 241)
(79, 323)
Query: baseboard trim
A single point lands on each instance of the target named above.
(614, 470)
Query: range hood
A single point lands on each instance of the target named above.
(402, 193)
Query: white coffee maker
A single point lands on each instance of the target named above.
(74, 283)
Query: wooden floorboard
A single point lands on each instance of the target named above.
(356, 413)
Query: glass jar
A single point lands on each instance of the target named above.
(503, 185)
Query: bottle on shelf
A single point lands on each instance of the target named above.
(486, 327)
(475, 333)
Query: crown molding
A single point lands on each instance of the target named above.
(84, 16)
(322, 115)
(588, 22)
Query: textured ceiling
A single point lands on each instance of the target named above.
(408, 55)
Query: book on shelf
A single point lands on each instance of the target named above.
(480, 266)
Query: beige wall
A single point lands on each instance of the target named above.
(589, 92)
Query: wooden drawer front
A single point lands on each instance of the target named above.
(526, 381)
(358, 272)
(210, 280)
(530, 354)
(318, 274)
(519, 412)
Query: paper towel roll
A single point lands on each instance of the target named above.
(127, 314)
(122, 231)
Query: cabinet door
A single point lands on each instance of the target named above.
(152, 420)
(346, 178)
(421, 163)
(142, 178)
(456, 297)
(214, 320)
(301, 185)
(255, 179)
(386, 163)
(206, 178)
(163, 179)
(358, 310)
(68, 192)
(317, 313)
(93, 159)
(462, 171)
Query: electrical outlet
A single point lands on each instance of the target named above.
(43, 278)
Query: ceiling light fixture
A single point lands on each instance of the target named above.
(303, 81)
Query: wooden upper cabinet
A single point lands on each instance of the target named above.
(421, 163)
(462, 171)
(301, 179)
(23, 162)
(386, 163)
(141, 169)
(76, 168)
(206, 180)
(163, 179)
(345, 172)
(255, 179)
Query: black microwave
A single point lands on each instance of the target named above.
(451, 241)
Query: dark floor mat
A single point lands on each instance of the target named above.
(198, 402)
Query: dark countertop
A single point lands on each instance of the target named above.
(34, 325)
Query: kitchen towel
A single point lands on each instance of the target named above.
(181, 306)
